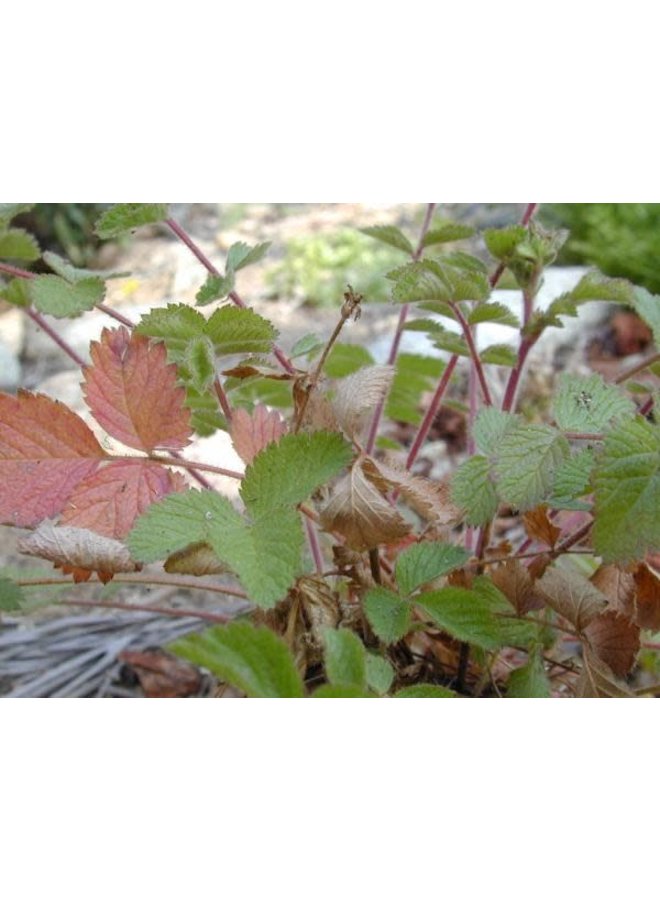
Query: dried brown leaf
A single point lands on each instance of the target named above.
(317, 411)
(77, 548)
(360, 512)
(359, 394)
(429, 499)
(618, 585)
(598, 680)
(251, 432)
(539, 527)
(572, 596)
(615, 640)
(515, 582)
(538, 565)
(163, 675)
(197, 559)
(647, 598)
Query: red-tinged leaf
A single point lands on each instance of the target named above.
(79, 551)
(539, 527)
(45, 451)
(647, 598)
(251, 433)
(109, 501)
(133, 392)
(615, 640)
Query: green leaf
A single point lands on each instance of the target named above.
(308, 346)
(127, 216)
(241, 255)
(388, 614)
(255, 660)
(413, 375)
(499, 355)
(345, 658)
(289, 471)
(264, 554)
(592, 286)
(11, 595)
(380, 673)
(389, 234)
(502, 243)
(513, 630)
(234, 330)
(526, 251)
(344, 359)
(16, 243)
(71, 273)
(489, 428)
(216, 287)
(587, 404)
(340, 692)
(203, 405)
(177, 324)
(529, 680)
(627, 493)
(493, 312)
(647, 307)
(56, 297)
(573, 477)
(425, 691)
(473, 491)
(9, 211)
(447, 231)
(463, 614)
(16, 292)
(526, 462)
(200, 362)
(421, 563)
(437, 279)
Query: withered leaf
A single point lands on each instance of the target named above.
(618, 585)
(539, 527)
(598, 680)
(197, 559)
(359, 394)
(429, 499)
(614, 639)
(515, 582)
(78, 549)
(251, 432)
(312, 406)
(163, 675)
(647, 598)
(572, 596)
(358, 510)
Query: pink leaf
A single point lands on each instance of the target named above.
(133, 394)
(45, 451)
(110, 500)
(251, 433)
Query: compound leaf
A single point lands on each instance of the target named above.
(236, 330)
(463, 614)
(176, 324)
(421, 563)
(252, 432)
(489, 428)
(125, 217)
(241, 255)
(216, 287)
(526, 462)
(389, 234)
(587, 404)
(473, 491)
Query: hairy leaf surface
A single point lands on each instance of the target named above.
(421, 563)
(587, 404)
(252, 432)
(526, 462)
(125, 217)
(388, 614)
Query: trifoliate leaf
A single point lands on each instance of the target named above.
(413, 375)
(176, 522)
(526, 462)
(216, 287)
(573, 477)
(57, 297)
(627, 492)
(529, 680)
(126, 216)
(647, 307)
(463, 614)
(380, 673)
(344, 359)
(421, 563)
(255, 660)
(499, 355)
(493, 312)
(289, 471)
(176, 324)
(473, 491)
(11, 595)
(16, 243)
(587, 404)
(489, 428)
(344, 658)
(388, 615)
(389, 234)
(426, 692)
(235, 330)
(447, 231)
(241, 255)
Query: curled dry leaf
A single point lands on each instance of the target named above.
(429, 499)
(110, 500)
(647, 598)
(572, 596)
(46, 450)
(515, 582)
(312, 401)
(614, 639)
(359, 394)
(163, 675)
(132, 392)
(251, 432)
(539, 527)
(197, 559)
(358, 510)
(78, 549)
(598, 680)
(618, 585)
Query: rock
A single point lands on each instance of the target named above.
(10, 369)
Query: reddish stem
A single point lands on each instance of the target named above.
(109, 311)
(39, 320)
(474, 354)
(314, 546)
(161, 610)
(222, 399)
(431, 412)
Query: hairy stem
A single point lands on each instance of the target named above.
(222, 399)
(431, 412)
(474, 354)
(144, 580)
(396, 340)
(634, 370)
(39, 320)
(184, 464)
